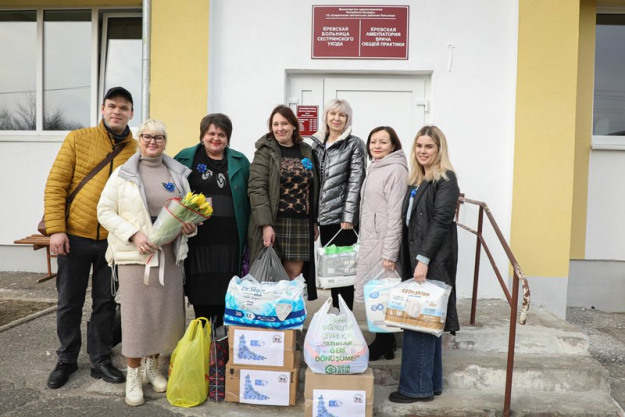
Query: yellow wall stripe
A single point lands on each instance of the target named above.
(179, 79)
(583, 125)
(545, 136)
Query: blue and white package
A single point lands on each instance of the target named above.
(376, 299)
(273, 305)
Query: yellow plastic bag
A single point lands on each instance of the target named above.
(189, 366)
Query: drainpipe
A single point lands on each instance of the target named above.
(145, 76)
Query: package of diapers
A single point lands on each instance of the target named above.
(421, 307)
(376, 294)
(274, 305)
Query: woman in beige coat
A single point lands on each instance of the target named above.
(380, 218)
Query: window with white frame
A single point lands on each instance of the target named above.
(58, 63)
(609, 93)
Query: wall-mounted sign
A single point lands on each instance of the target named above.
(308, 117)
(360, 32)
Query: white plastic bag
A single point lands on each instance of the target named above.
(274, 305)
(336, 265)
(419, 306)
(376, 293)
(334, 343)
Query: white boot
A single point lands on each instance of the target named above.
(152, 376)
(134, 391)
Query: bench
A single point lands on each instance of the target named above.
(39, 242)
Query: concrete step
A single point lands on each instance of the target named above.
(469, 403)
(544, 333)
(475, 371)
(452, 403)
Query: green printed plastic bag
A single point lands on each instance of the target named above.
(189, 366)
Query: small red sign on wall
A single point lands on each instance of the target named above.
(308, 117)
(360, 32)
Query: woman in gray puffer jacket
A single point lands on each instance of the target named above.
(340, 157)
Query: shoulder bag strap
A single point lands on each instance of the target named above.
(94, 171)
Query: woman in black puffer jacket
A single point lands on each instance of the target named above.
(429, 250)
(340, 157)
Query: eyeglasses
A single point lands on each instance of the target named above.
(157, 138)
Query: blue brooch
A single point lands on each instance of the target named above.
(201, 168)
(307, 164)
(169, 186)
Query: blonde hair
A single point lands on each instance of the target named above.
(336, 105)
(155, 126)
(441, 164)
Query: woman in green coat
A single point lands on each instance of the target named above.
(216, 253)
(283, 196)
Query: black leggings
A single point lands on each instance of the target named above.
(345, 238)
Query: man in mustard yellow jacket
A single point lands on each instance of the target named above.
(79, 240)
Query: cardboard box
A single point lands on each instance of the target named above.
(265, 385)
(261, 347)
(339, 395)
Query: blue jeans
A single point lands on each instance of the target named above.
(421, 365)
(72, 280)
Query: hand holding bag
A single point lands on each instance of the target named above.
(189, 366)
(334, 343)
(267, 266)
(336, 265)
(417, 306)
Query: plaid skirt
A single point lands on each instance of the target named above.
(292, 239)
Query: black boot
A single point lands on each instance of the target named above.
(384, 344)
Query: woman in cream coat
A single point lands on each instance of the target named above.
(380, 218)
(150, 277)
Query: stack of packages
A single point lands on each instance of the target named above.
(338, 381)
(263, 311)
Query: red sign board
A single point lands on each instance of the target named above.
(308, 117)
(360, 32)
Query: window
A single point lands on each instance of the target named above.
(122, 57)
(609, 97)
(58, 63)
(66, 93)
(18, 49)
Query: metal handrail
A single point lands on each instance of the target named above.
(513, 299)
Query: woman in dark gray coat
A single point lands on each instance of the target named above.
(429, 250)
(340, 157)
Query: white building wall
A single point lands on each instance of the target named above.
(26, 162)
(469, 48)
(605, 230)
(598, 281)
(253, 44)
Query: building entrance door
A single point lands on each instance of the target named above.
(399, 101)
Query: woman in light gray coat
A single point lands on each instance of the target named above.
(380, 218)
(340, 157)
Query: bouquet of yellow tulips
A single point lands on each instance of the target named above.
(193, 208)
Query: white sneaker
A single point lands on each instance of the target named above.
(152, 376)
(134, 391)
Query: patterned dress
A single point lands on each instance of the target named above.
(292, 226)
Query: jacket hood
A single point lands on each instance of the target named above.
(396, 157)
(266, 140)
(319, 137)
